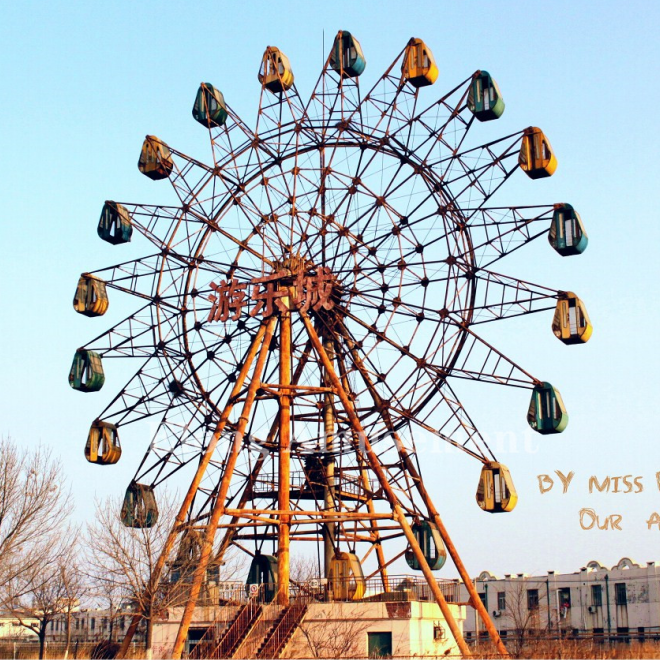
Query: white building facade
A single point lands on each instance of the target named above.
(620, 603)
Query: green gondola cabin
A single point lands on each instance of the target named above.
(571, 324)
(536, 157)
(347, 58)
(263, 572)
(115, 225)
(547, 413)
(155, 159)
(419, 67)
(567, 234)
(103, 446)
(139, 509)
(496, 492)
(91, 297)
(429, 540)
(275, 73)
(485, 100)
(209, 108)
(86, 373)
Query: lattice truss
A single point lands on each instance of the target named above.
(395, 201)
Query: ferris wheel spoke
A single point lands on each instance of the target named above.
(152, 392)
(498, 231)
(481, 361)
(332, 103)
(500, 296)
(454, 427)
(441, 128)
(230, 143)
(476, 174)
(279, 119)
(136, 277)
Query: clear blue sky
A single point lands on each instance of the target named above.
(82, 83)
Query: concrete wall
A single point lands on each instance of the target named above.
(341, 628)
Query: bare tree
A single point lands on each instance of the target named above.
(124, 558)
(33, 509)
(37, 600)
(333, 634)
(523, 609)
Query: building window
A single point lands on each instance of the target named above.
(92, 623)
(501, 600)
(640, 633)
(482, 596)
(77, 624)
(623, 632)
(620, 593)
(532, 599)
(565, 597)
(596, 595)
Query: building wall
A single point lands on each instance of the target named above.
(330, 627)
(634, 606)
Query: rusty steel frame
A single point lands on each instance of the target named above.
(319, 181)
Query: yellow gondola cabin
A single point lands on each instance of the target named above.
(571, 324)
(275, 73)
(496, 492)
(91, 297)
(103, 446)
(155, 159)
(536, 158)
(345, 577)
(419, 67)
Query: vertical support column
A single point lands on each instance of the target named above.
(284, 463)
(377, 468)
(329, 536)
(219, 505)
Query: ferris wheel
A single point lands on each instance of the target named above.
(305, 309)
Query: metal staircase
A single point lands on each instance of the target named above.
(276, 640)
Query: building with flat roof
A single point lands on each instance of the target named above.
(618, 603)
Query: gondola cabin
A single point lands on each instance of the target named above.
(547, 413)
(139, 509)
(419, 67)
(103, 446)
(115, 224)
(155, 159)
(571, 324)
(86, 373)
(496, 492)
(429, 540)
(209, 108)
(567, 234)
(275, 73)
(346, 57)
(91, 297)
(485, 100)
(536, 158)
(345, 577)
(263, 572)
